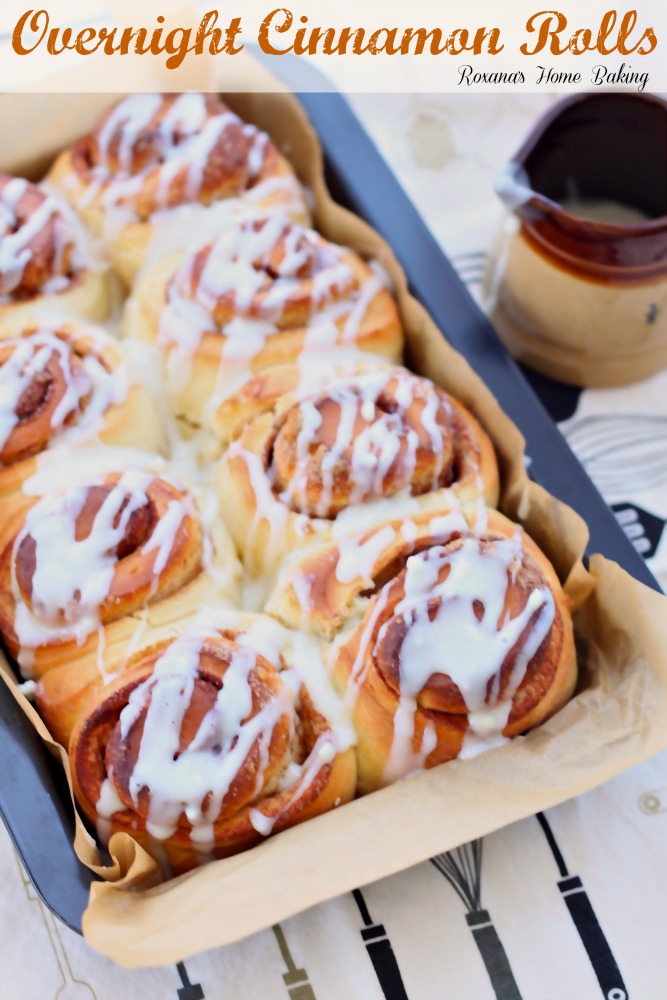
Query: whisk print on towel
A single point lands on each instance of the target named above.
(463, 870)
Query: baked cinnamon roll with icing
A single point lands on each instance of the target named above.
(47, 263)
(153, 155)
(64, 384)
(451, 634)
(266, 292)
(210, 742)
(312, 463)
(86, 570)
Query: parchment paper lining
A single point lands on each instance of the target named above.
(616, 720)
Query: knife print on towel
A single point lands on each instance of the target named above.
(380, 953)
(462, 868)
(295, 979)
(188, 990)
(586, 922)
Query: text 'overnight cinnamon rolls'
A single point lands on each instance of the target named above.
(312, 461)
(265, 292)
(210, 742)
(151, 155)
(450, 632)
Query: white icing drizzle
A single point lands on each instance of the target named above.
(15, 237)
(360, 518)
(183, 229)
(90, 378)
(456, 643)
(241, 269)
(359, 550)
(130, 116)
(107, 804)
(28, 689)
(374, 451)
(359, 667)
(62, 467)
(163, 535)
(179, 783)
(357, 558)
(71, 578)
(267, 508)
(185, 139)
(368, 291)
(302, 777)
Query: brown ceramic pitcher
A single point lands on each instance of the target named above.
(577, 287)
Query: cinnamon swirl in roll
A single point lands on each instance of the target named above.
(151, 155)
(86, 570)
(46, 263)
(266, 292)
(451, 634)
(313, 462)
(66, 384)
(208, 743)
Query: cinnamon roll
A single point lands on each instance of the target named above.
(315, 461)
(46, 262)
(67, 384)
(451, 633)
(208, 743)
(266, 292)
(153, 154)
(84, 571)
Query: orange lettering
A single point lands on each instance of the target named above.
(17, 36)
(546, 31)
(263, 34)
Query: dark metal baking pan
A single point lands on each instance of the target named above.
(34, 800)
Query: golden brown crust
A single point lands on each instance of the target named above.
(238, 158)
(71, 377)
(310, 454)
(367, 667)
(43, 266)
(154, 574)
(102, 749)
(266, 291)
(151, 153)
